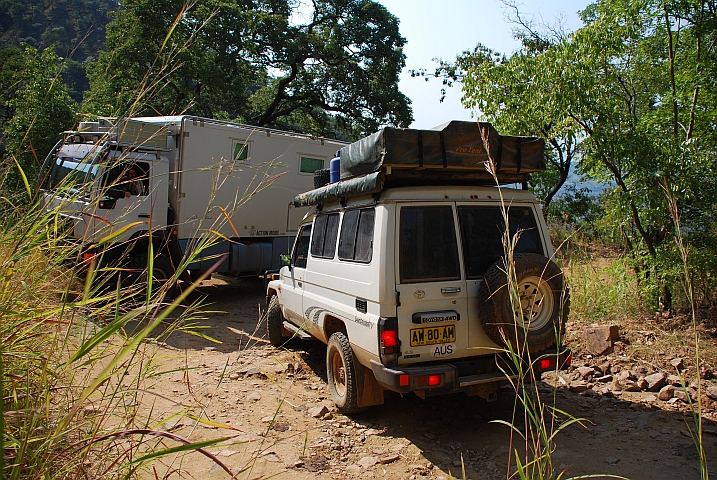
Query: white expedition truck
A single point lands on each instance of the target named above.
(399, 267)
(182, 178)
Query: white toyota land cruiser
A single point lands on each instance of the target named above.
(399, 267)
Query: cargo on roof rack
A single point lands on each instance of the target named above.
(455, 153)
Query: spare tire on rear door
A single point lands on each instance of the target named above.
(541, 304)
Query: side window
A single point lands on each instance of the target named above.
(326, 230)
(301, 247)
(428, 247)
(482, 230)
(127, 180)
(356, 242)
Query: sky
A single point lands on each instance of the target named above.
(444, 29)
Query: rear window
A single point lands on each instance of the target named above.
(326, 230)
(428, 246)
(482, 232)
(356, 243)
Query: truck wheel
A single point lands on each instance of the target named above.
(539, 319)
(322, 177)
(162, 272)
(275, 323)
(341, 373)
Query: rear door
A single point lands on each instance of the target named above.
(432, 311)
(482, 228)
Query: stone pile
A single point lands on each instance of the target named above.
(612, 378)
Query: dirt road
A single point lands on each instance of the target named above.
(270, 401)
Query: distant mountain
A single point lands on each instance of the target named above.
(76, 28)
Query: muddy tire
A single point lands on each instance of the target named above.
(275, 323)
(322, 177)
(162, 272)
(341, 373)
(539, 321)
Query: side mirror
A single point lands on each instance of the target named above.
(107, 203)
(285, 260)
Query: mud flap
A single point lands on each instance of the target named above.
(369, 391)
(487, 391)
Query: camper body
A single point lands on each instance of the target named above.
(195, 179)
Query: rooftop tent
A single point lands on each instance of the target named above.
(456, 146)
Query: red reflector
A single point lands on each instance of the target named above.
(403, 380)
(88, 257)
(389, 338)
(547, 363)
(569, 360)
(428, 380)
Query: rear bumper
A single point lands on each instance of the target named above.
(462, 375)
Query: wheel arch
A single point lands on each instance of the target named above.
(332, 325)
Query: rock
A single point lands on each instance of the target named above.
(233, 376)
(457, 463)
(612, 460)
(251, 371)
(649, 399)
(630, 386)
(666, 393)
(272, 457)
(655, 381)
(590, 393)
(641, 383)
(674, 380)
(585, 371)
(600, 339)
(388, 459)
(578, 387)
(680, 394)
(368, 462)
(638, 370)
(254, 396)
(677, 363)
(604, 379)
(712, 392)
(354, 470)
(625, 375)
(318, 412)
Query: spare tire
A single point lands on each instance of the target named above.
(539, 320)
(322, 177)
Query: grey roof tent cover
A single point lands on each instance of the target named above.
(454, 152)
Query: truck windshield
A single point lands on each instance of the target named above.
(72, 173)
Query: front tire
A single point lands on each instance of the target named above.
(275, 323)
(341, 373)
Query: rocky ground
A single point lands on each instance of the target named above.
(275, 407)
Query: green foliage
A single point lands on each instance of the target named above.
(38, 108)
(251, 61)
(75, 28)
(629, 95)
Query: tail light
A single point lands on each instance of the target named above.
(388, 342)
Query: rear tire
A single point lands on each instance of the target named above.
(341, 373)
(275, 323)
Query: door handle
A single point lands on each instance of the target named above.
(143, 215)
(451, 290)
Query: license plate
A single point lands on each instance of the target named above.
(433, 335)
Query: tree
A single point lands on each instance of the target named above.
(251, 60)
(630, 93)
(75, 28)
(38, 107)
